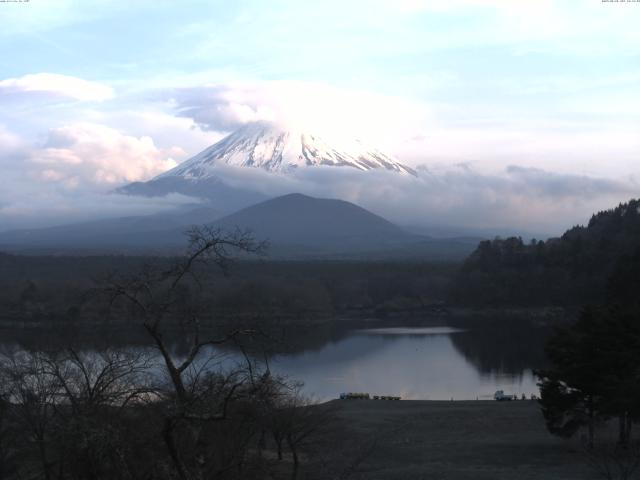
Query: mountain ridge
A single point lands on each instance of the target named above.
(314, 220)
(279, 150)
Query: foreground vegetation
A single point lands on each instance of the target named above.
(185, 413)
(118, 415)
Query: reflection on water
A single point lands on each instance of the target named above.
(415, 363)
(436, 362)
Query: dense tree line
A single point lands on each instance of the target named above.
(54, 290)
(570, 270)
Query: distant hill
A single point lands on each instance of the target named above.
(295, 225)
(114, 234)
(300, 219)
(573, 269)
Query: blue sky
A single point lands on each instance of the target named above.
(95, 94)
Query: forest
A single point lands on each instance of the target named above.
(571, 270)
(48, 291)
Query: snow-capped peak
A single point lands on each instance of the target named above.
(280, 150)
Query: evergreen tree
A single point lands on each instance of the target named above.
(595, 374)
(571, 390)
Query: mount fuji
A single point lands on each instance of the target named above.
(297, 225)
(266, 146)
(279, 150)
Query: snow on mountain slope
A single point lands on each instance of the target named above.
(279, 150)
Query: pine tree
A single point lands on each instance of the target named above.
(595, 374)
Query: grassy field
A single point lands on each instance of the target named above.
(467, 440)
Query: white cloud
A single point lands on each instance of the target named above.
(221, 107)
(164, 127)
(528, 199)
(55, 86)
(96, 156)
(581, 146)
(61, 181)
(10, 143)
(488, 135)
(30, 207)
(69, 177)
(308, 105)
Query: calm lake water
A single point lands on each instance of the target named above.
(414, 363)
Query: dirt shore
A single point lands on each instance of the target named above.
(466, 440)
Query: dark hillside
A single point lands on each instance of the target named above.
(570, 270)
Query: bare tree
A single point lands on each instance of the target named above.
(65, 409)
(158, 295)
(33, 398)
(111, 378)
(295, 420)
(159, 298)
(7, 446)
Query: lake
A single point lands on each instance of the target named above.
(414, 362)
(431, 363)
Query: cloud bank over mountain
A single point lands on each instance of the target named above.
(71, 174)
(515, 110)
(517, 198)
(314, 106)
